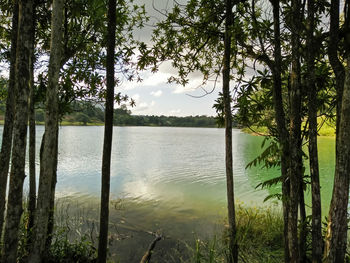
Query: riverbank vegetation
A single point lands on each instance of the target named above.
(260, 230)
(283, 65)
(326, 128)
(86, 113)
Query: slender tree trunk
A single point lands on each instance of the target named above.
(108, 134)
(295, 135)
(48, 162)
(6, 145)
(15, 197)
(303, 228)
(233, 246)
(313, 154)
(336, 237)
(283, 135)
(336, 64)
(32, 134)
(52, 200)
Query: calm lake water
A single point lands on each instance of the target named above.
(168, 179)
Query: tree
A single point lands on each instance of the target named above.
(32, 135)
(82, 117)
(313, 154)
(233, 246)
(108, 134)
(17, 175)
(282, 133)
(336, 237)
(6, 145)
(49, 152)
(191, 36)
(295, 167)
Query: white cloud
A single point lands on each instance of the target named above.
(195, 83)
(136, 97)
(157, 93)
(142, 106)
(175, 112)
(148, 80)
(182, 89)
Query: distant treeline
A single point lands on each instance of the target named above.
(85, 113)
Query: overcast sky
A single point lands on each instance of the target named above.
(154, 96)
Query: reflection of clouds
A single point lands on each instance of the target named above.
(139, 189)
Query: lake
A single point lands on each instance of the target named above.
(170, 180)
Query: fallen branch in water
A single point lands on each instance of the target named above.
(147, 256)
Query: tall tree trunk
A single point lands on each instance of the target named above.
(303, 226)
(108, 134)
(48, 162)
(336, 64)
(32, 134)
(233, 246)
(295, 135)
(283, 135)
(313, 154)
(336, 237)
(6, 145)
(15, 197)
(52, 200)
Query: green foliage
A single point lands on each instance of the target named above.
(62, 250)
(270, 156)
(82, 75)
(39, 115)
(83, 118)
(209, 251)
(259, 235)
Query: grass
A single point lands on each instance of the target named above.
(327, 128)
(256, 130)
(259, 235)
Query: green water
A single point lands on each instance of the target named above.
(170, 180)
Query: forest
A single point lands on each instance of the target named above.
(85, 113)
(281, 65)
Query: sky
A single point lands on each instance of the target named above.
(154, 96)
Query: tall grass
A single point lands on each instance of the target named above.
(259, 235)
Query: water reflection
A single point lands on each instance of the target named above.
(170, 178)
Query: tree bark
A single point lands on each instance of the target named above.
(48, 162)
(17, 175)
(303, 226)
(233, 246)
(283, 136)
(336, 64)
(313, 154)
(6, 145)
(295, 135)
(336, 236)
(52, 201)
(108, 134)
(32, 134)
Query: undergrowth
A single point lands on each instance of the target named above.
(259, 235)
